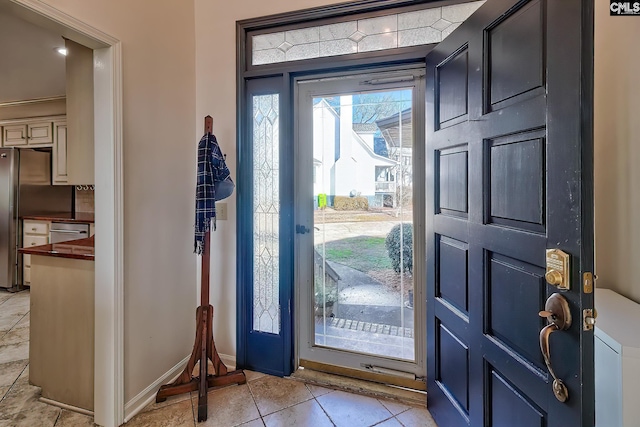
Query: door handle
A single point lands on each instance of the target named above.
(557, 312)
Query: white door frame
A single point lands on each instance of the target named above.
(109, 262)
(348, 83)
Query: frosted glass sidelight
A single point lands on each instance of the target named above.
(414, 28)
(266, 214)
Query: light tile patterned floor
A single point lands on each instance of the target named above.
(263, 401)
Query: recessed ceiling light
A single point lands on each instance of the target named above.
(62, 51)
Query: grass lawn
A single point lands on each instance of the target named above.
(363, 253)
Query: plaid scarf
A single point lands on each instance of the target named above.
(213, 183)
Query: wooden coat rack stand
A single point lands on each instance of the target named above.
(204, 348)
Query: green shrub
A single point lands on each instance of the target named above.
(345, 203)
(393, 243)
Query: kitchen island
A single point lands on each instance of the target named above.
(61, 350)
(83, 249)
(81, 217)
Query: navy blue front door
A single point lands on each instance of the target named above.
(509, 151)
(265, 233)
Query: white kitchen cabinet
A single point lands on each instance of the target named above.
(14, 135)
(45, 132)
(38, 228)
(617, 360)
(34, 233)
(59, 154)
(29, 241)
(35, 132)
(39, 133)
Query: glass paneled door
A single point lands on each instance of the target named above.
(265, 233)
(358, 196)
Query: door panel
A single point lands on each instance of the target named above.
(511, 279)
(451, 77)
(514, 61)
(453, 284)
(452, 169)
(516, 181)
(508, 151)
(511, 408)
(265, 230)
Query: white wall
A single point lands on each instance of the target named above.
(355, 169)
(367, 137)
(365, 169)
(158, 44)
(324, 147)
(216, 95)
(617, 151)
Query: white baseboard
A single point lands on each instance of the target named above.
(65, 406)
(229, 361)
(146, 396)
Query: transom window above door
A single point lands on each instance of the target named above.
(418, 27)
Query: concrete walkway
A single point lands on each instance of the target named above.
(362, 298)
(369, 317)
(382, 344)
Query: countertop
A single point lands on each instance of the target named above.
(81, 217)
(76, 249)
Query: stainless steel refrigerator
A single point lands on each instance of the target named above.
(25, 189)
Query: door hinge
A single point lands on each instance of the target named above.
(588, 319)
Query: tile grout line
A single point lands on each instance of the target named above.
(57, 418)
(16, 380)
(11, 389)
(2, 303)
(387, 419)
(13, 327)
(286, 407)
(194, 414)
(320, 405)
(409, 407)
(254, 400)
(9, 330)
(392, 415)
(325, 411)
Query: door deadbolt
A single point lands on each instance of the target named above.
(558, 271)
